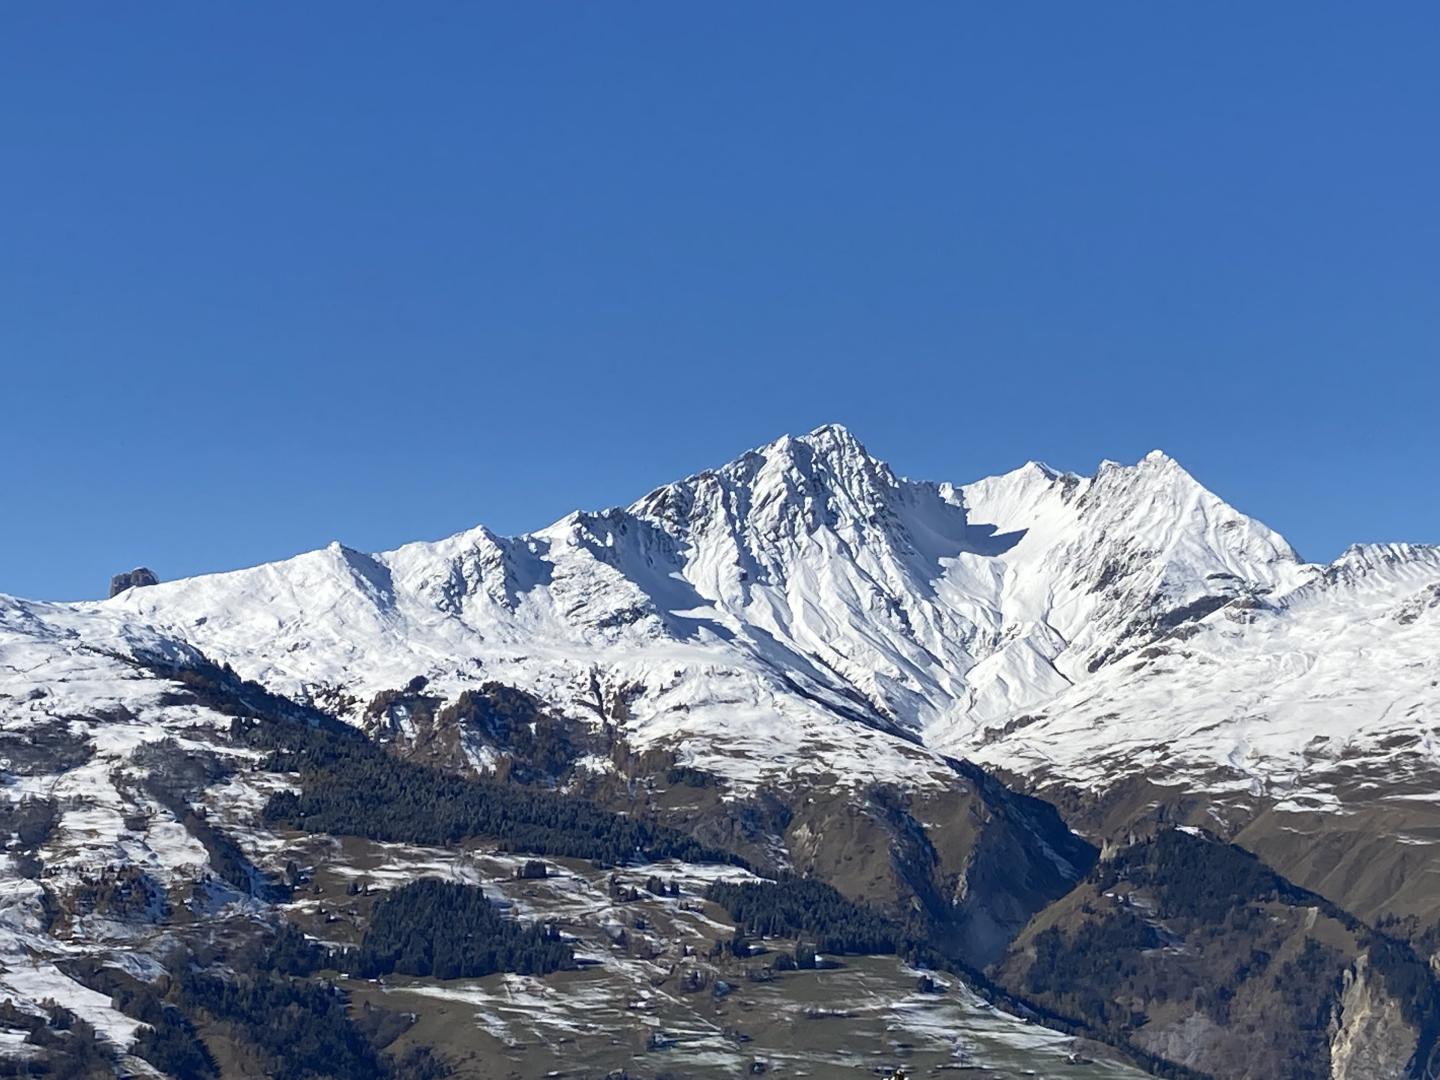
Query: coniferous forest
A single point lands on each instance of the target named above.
(809, 909)
(352, 787)
(452, 931)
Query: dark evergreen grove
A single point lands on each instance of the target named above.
(170, 1042)
(301, 1027)
(451, 931)
(355, 788)
(1200, 879)
(1081, 972)
(806, 908)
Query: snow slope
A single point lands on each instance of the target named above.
(1290, 698)
(804, 610)
(67, 676)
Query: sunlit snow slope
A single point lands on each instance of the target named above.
(803, 609)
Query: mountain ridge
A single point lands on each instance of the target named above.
(803, 581)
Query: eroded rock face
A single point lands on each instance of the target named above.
(1373, 1040)
(140, 576)
(1188, 1041)
(1195, 951)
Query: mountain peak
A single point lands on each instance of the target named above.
(1156, 461)
(1039, 468)
(823, 466)
(832, 435)
(828, 443)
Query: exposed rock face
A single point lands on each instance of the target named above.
(140, 576)
(1193, 950)
(1186, 1041)
(1373, 1040)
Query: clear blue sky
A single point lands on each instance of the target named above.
(273, 275)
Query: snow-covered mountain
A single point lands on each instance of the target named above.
(803, 609)
(823, 635)
(1278, 694)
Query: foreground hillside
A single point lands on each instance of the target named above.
(204, 879)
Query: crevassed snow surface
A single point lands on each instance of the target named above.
(803, 610)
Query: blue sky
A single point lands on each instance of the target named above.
(272, 275)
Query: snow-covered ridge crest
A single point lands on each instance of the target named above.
(758, 614)
(1360, 559)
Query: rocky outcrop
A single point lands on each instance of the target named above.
(135, 579)
(1373, 1039)
(1193, 950)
